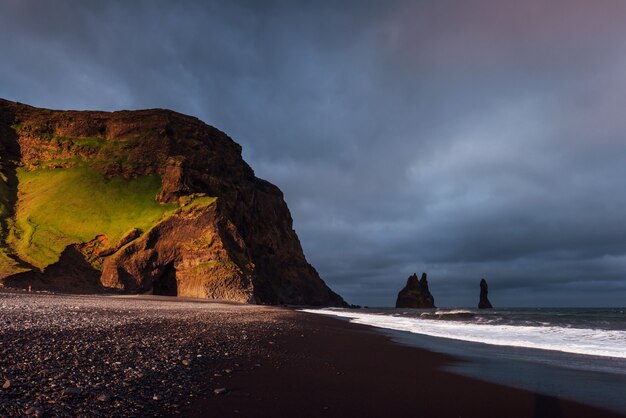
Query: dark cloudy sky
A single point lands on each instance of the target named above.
(463, 138)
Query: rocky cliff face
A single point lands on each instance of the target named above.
(415, 294)
(484, 303)
(143, 201)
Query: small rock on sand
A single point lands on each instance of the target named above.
(36, 412)
(105, 397)
(71, 391)
(220, 391)
(7, 384)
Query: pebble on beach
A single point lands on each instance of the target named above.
(72, 391)
(105, 397)
(220, 391)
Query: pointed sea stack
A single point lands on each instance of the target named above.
(415, 294)
(484, 300)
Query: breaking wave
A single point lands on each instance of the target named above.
(586, 341)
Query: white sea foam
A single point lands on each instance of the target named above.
(594, 342)
(454, 312)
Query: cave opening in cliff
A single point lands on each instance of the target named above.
(166, 284)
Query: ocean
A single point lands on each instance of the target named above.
(572, 353)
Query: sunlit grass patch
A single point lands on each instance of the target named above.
(60, 207)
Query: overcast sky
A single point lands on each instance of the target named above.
(466, 139)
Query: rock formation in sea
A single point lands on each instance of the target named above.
(484, 300)
(415, 294)
(143, 201)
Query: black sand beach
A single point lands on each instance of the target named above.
(146, 356)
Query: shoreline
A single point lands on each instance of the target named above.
(341, 369)
(515, 359)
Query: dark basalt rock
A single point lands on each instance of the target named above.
(415, 294)
(484, 300)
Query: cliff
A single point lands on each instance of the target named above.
(415, 294)
(143, 201)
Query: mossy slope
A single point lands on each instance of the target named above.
(60, 207)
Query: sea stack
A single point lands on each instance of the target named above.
(415, 294)
(484, 300)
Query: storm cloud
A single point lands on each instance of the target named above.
(466, 139)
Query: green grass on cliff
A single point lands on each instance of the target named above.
(60, 207)
(196, 201)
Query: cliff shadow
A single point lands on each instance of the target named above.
(10, 154)
(71, 274)
(166, 284)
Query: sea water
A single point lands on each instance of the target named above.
(573, 353)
